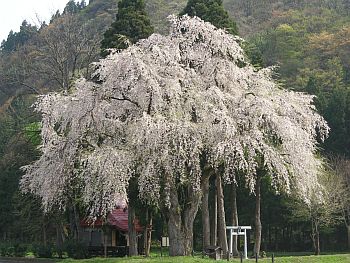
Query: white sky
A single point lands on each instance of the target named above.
(13, 12)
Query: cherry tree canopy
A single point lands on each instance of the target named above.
(164, 109)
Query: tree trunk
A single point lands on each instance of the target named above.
(105, 242)
(205, 211)
(44, 232)
(76, 221)
(222, 237)
(149, 237)
(234, 219)
(257, 216)
(59, 239)
(148, 233)
(132, 231)
(317, 240)
(214, 218)
(180, 224)
(317, 243)
(348, 230)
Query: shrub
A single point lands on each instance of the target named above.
(42, 251)
(6, 250)
(13, 250)
(76, 249)
(20, 250)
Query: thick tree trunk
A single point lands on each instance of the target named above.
(132, 231)
(222, 237)
(257, 216)
(59, 239)
(180, 237)
(180, 224)
(214, 218)
(234, 219)
(205, 211)
(74, 221)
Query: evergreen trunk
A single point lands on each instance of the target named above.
(132, 231)
(214, 217)
(180, 223)
(222, 237)
(258, 227)
(234, 219)
(205, 211)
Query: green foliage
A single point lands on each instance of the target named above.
(32, 132)
(159, 10)
(131, 24)
(211, 11)
(13, 250)
(337, 111)
(15, 40)
(311, 49)
(73, 7)
(254, 54)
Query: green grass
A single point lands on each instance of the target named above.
(337, 258)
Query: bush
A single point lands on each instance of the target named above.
(42, 251)
(76, 249)
(20, 250)
(13, 250)
(6, 250)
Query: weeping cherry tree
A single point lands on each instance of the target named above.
(167, 111)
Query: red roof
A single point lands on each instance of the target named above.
(118, 218)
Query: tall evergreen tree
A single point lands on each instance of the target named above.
(17, 39)
(71, 7)
(211, 11)
(132, 23)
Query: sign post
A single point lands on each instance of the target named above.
(239, 231)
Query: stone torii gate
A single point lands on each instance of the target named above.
(239, 231)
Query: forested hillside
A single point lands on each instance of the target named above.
(309, 41)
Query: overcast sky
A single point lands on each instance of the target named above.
(13, 12)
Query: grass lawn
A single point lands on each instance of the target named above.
(337, 258)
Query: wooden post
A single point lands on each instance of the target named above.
(231, 241)
(273, 258)
(241, 254)
(245, 245)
